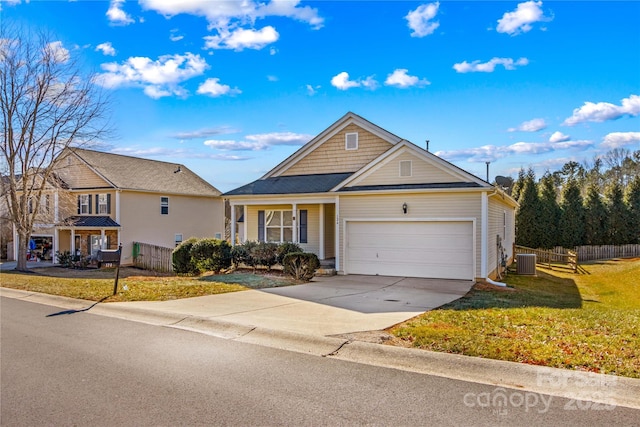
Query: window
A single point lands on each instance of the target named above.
(45, 204)
(405, 168)
(84, 204)
(164, 205)
(103, 203)
(277, 226)
(351, 141)
(178, 239)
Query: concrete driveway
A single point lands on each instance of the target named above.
(326, 306)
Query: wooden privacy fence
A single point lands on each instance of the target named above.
(152, 257)
(557, 255)
(590, 253)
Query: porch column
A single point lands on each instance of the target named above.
(294, 224)
(321, 232)
(73, 242)
(103, 239)
(16, 245)
(56, 244)
(245, 227)
(233, 224)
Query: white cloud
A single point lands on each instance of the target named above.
(212, 87)
(520, 20)
(116, 15)
(272, 78)
(240, 39)
(342, 82)
(260, 141)
(488, 67)
(490, 153)
(620, 139)
(273, 51)
(603, 111)
(400, 78)
(159, 78)
(312, 90)
(175, 38)
(106, 48)
(202, 133)
(532, 125)
(420, 20)
(558, 136)
(223, 15)
(57, 52)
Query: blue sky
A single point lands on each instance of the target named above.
(231, 88)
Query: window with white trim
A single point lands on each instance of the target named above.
(84, 203)
(164, 205)
(178, 239)
(103, 207)
(277, 226)
(351, 141)
(405, 168)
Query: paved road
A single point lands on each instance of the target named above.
(85, 369)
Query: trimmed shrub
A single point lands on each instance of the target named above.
(301, 265)
(287, 248)
(265, 254)
(183, 262)
(65, 259)
(240, 254)
(211, 255)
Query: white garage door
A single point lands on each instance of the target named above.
(433, 249)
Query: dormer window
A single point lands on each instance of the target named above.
(405, 168)
(351, 141)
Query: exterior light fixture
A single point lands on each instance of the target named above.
(405, 208)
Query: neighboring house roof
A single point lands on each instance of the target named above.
(134, 173)
(292, 184)
(90, 221)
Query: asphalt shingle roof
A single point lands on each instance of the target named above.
(90, 221)
(294, 184)
(134, 173)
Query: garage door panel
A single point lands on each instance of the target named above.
(415, 249)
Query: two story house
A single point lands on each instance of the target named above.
(106, 199)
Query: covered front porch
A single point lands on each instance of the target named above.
(309, 222)
(85, 236)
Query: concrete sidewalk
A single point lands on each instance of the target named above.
(327, 306)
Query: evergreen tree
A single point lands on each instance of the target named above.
(518, 185)
(572, 218)
(617, 226)
(632, 202)
(548, 213)
(595, 221)
(527, 226)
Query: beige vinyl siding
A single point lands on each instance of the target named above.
(497, 210)
(71, 203)
(78, 175)
(420, 206)
(142, 221)
(421, 172)
(331, 156)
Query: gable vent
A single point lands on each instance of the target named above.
(351, 141)
(405, 168)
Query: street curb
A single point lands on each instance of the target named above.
(580, 386)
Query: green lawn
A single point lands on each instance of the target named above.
(133, 285)
(588, 321)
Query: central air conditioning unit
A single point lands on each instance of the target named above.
(526, 264)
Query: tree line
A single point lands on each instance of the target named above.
(595, 203)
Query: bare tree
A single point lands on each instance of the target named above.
(47, 105)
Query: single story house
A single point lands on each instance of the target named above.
(377, 204)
